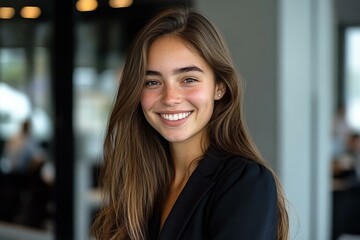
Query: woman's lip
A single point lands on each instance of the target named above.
(175, 116)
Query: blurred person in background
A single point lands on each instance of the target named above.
(341, 131)
(21, 152)
(355, 153)
(23, 192)
(346, 166)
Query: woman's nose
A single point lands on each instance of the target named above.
(171, 95)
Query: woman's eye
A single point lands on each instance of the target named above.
(190, 80)
(151, 83)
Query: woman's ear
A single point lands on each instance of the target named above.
(220, 90)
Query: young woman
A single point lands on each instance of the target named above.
(179, 163)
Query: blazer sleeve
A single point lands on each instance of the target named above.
(246, 206)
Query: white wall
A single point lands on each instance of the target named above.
(284, 50)
(249, 27)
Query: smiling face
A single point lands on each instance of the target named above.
(179, 91)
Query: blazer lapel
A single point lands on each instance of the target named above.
(199, 183)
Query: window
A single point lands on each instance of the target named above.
(352, 76)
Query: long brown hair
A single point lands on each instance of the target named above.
(137, 166)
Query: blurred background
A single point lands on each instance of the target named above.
(59, 66)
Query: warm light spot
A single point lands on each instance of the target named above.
(120, 3)
(30, 12)
(7, 12)
(86, 5)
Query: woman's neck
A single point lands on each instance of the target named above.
(184, 156)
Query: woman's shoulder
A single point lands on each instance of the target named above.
(237, 169)
(243, 196)
(238, 161)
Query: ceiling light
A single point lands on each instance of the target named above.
(86, 5)
(30, 12)
(7, 12)
(120, 3)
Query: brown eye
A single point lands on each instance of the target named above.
(151, 83)
(190, 80)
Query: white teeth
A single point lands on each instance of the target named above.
(175, 117)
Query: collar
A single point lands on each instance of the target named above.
(199, 183)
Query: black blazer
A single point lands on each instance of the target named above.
(226, 197)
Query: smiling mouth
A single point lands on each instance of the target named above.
(175, 117)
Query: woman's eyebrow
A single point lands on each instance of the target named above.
(176, 70)
(152, 73)
(187, 69)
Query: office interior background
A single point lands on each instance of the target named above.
(59, 66)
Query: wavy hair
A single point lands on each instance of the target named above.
(137, 167)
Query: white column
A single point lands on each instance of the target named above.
(305, 88)
(294, 108)
(324, 75)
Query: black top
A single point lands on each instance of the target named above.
(226, 197)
